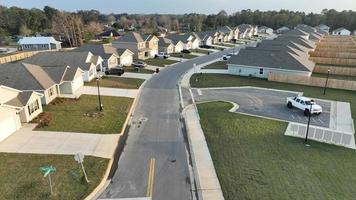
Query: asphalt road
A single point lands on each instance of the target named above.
(159, 136)
(266, 103)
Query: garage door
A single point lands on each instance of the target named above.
(8, 126)
(77, 83)
(126, 60)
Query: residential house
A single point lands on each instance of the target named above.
(236, 33)
(86, 61)
(341, 31)
(265, 30)
(108, 34)
(107, 52)
(125, 57)
(38, 44)
(187, 39)
(135, 43)
(152, 44)
(166, 45)
(206, 37)
(282, 30)
(246, 30)
(323, 27)
(17, 107)
(227, 32)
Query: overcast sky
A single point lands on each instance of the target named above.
(184, 6)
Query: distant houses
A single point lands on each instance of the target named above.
(282, 30)
(323, 27)
(341, 31)
(38, 44)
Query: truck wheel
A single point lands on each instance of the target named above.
(306, 112)
(289, 105)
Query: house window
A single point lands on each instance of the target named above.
(50, 92)
(33, 107)
(261, 70)
(91, 72)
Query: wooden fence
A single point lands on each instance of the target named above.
(334, 61)
(323, 49)
(347, 71)
(313, 81)
(17, 56)
(333, 54)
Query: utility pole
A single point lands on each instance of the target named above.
(326, 82)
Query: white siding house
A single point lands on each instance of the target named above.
(341, 31)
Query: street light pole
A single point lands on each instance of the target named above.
(97, 83)
(307, 133)
(326, 82)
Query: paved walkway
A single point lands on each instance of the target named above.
(197, 54)
(26, 140)
(208, 185)
(115, 92)
(214, 71)
(137, 75)
(153, 68)
(177, 59)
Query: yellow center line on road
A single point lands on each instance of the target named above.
(151, 176)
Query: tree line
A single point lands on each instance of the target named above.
(82, 25)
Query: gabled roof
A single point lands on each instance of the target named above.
(244, 27)
(21, 99)
(322, 26)
(132, 37)
(112, 33)
(225, 29)
(164, 42)
(283, 28)
(340, 29)
(122, 51)
(24, 76)
(72, 59)
(103, 50)
(278, 59)
(37, 40)
(179, 37)
(298, 40)
(296, 32)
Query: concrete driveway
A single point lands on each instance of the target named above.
(26, 140)
(265, 103)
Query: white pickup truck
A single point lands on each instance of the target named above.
(305, 104)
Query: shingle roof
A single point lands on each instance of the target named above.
(72, 59)
(244, 27)
(103, 50)
(225, 29)
(23, 76)
(121, 51)
(21, 99)
(340, 29)
(298, 40)
(131, 37)
(179, 37)
(164, 42)
(38, 40)
(279, 59)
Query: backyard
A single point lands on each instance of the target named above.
(117, 82)
(254, 160)
(82, 115)
(212, 80)
(21, 177)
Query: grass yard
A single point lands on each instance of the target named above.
(139, 70)
(215, 80)
(217, 65)
(254, 160)
(332, 76)
(227, 44)
(82, 115)
(202, 51)
(22, 179)
(185, 55)
(117, 82)
(159, 62)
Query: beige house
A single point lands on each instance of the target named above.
(166, 45)
(126, 57)
(152, 44)
(17, 107)
(178, 46)
(135, 43)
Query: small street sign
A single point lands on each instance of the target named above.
(47, 170)
(79, 157)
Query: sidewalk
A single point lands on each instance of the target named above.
(26, 140)
(208, 185)
(176, 59)
(137, 75)
(115, 92)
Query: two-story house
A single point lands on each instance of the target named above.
(135, 43)
(152, 44)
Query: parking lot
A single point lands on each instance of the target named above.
(265, 103)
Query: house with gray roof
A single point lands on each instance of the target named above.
(151, 43)
(85, 60)
(341, 31)
(323, 27)
(247, 30)
(50, 81)
(265, 30)
(125, 57)
(227, 33)
(107, 52)
(165, 45)
(207, 38)
(135, 43)
(17, 107)
(188, 39)
(39, 44)
(282, 30)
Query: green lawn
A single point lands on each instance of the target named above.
(137, 70)
(22, 179)
(254, 160)
(185, 55)
(82, 115)
(215, 80)
(117, 82)
(202, 51)
(217, 65)
(159, 62)
(333, 76)
(227, 44)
